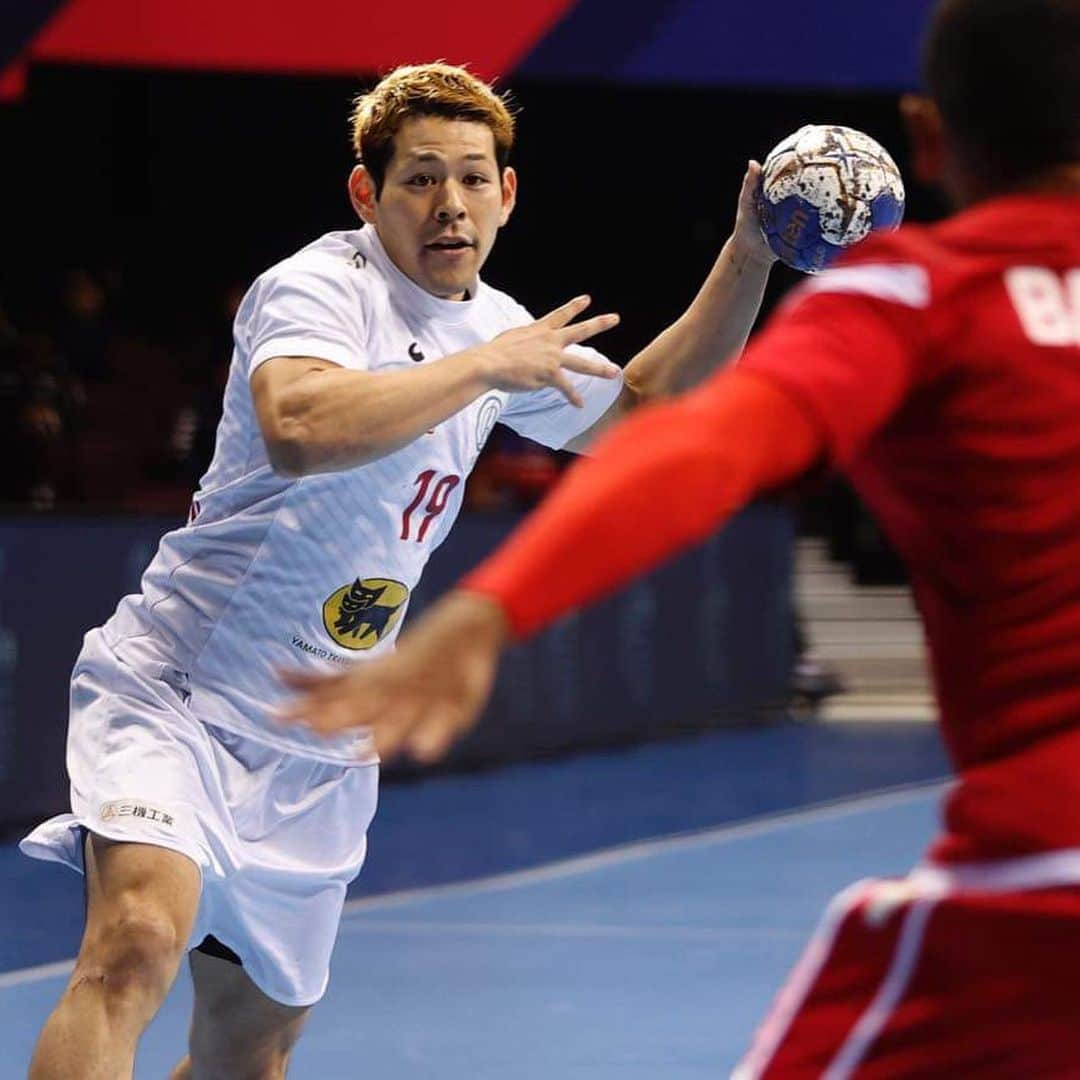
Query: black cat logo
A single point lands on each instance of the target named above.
(360, 615)
(414, 352)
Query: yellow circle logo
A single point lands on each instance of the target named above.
(360, 615)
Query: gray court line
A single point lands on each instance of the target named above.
(582, 864)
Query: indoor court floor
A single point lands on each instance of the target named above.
(626, 913)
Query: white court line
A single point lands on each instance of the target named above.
(622, 932)
(623, 853)
(825, 811)
(36, 974)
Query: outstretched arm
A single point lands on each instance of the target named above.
(318, 417)
(665, 478)
(830, 372)
(712, 330)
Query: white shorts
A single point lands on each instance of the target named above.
(276, 837)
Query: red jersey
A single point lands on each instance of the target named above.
(943, 365)
(940, 368)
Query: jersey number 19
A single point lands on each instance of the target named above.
(436, 504)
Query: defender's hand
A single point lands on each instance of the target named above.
(749, 241)
(534, 356)
(421, 699)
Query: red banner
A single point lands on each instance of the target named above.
(317, 36)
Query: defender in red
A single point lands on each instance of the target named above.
(940, 368)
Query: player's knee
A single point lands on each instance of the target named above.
(135, 950)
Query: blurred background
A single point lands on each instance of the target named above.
(158, 156)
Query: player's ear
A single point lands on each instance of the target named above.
(509, 194)
(926, 136)
(362, 193)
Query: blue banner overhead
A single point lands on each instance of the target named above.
(785, 43)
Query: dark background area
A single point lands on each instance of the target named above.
(168, 192)
(176, 186)
(163, 194)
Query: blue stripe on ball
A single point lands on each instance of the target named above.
(792, 230)
(886, 213)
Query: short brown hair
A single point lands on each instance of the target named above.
(425, 90)
(1006, 77)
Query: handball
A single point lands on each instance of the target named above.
(822, 190)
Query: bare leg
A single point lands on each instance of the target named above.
(237, 1032)
(140, 909)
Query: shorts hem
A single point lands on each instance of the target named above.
(265, 985)
(292, 1001)
(49, 848)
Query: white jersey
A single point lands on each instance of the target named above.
(272, 572)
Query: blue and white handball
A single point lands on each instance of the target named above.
(822, 190)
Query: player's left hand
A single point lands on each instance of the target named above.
(419, 700)
(748, 237)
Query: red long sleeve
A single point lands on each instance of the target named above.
(661, 481)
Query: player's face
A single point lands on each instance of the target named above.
(442, 202)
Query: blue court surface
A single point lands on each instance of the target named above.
(621, 914)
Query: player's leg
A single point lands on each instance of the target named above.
(797, 1041)
(911, 978)
(303, 836)
(237, 1032)
(141, 903)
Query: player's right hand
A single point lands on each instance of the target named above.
(535, 356)
(420, 699)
